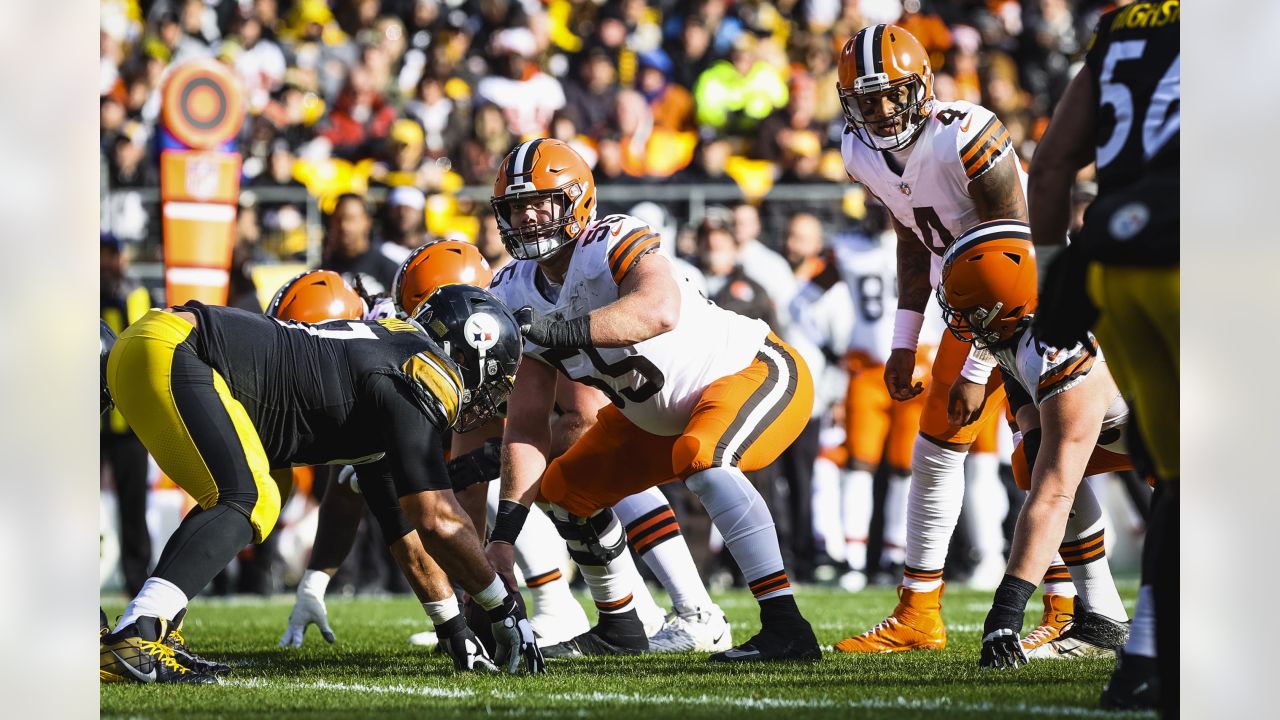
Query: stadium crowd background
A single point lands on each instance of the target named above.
(409, 105)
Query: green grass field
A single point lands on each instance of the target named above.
(372, 670)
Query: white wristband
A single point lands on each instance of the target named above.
(314, 582)
(978, 366)
(492, 596)
(906, 329)
(442, 611)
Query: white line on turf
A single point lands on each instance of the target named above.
(943, 704)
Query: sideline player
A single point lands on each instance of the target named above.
(1123, 113)
(1073, 422)
(940, 168)
(698, 394)
(221, 396)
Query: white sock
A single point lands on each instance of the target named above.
(654, 533)
(1057, 579)
(613, 585)
(1142, 631)
(1084, 552)
(738, 510)
(157, 598)
(895, 519)
(828, 528)
(855, 505)
(987, 505)
(933, 506)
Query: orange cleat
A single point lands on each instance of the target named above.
(1058, 611)
(916, 624)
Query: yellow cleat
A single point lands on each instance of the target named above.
(1058, 611)
(138, 654)
(916, 624)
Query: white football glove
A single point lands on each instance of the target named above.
(515, 641)
(307, 609)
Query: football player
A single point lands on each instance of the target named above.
(698, 394)
(1122, 113)
(1073, 422)
(227, 401)
(940, 168)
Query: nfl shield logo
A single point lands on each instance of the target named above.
(905, 188)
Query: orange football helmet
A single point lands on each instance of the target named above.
(316, 296)
(445, 262)
(876, 62)
(988, 288)
(544, 168)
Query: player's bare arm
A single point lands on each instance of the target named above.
(473, 498)
(914, 260)
(1067, 146)
(997, 193)
(1069, 424)
(578, 406)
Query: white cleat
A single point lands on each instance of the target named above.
(426, 638)
(555, 624)
(698, 630)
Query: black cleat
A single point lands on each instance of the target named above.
(182, 652)
(138, 654)
(790, 642)
(1135, 684)
(1087, 635)
(616, 634)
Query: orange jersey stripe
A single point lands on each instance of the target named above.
(644, 245)
(619, 250)
(975, 146)
(992, 150)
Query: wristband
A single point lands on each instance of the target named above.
(1009, 604)
(315, 582)
(510, 520)
(978, 366)
(491, 597)
(442, 611)
(906, 329)
(575, 333)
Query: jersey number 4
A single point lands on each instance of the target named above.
(652, 382)
(936, 237)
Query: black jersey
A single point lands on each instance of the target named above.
(340, 391)
(1134, 60)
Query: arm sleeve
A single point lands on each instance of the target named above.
(414, 446)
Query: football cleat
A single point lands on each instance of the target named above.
(1087, 635)
(1135, 684)
(556, 622)
(1058, 611)
(103, 626)
(138, 653)
(182, 651)
(699, 630)
(916, 624)
(616, 634)
(793, 641)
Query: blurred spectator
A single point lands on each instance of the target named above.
(489, 242)
(649, 150)
(361, 115)
(399, 159)
(527, 96)
(670, 104)
(242, 291)
(719, 258)
(123, 302)
(734, 95)
(564, 130)
(130, 166)
(592, 94)
(259, 62)
(691, 52)
(761, 263)
(445, 123)
(490, 141)
(406, 224)
(349, 250)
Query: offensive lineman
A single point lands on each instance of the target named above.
(699, 394)
(221, 396)
(940, 168)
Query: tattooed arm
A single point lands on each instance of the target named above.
(997, 193)
(914, 260)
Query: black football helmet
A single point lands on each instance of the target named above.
(480, 334)
(106, 341)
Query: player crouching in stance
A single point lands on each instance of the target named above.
(220, 397)
(698, 394)
(1072, 420)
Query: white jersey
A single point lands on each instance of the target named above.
(959, 143)
(657, 382)
(1035, 372)
(869, 271)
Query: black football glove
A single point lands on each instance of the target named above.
(464, 647)
(513, 635)
(1065, 313)
(1001, 644)
(480, 465)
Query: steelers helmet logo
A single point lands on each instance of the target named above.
(481, 332)
(1129, 220)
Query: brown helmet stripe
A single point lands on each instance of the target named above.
(877, 49)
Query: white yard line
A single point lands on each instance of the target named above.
(746, 703)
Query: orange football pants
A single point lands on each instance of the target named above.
(946, 370)
(743, 420)
(876, 427)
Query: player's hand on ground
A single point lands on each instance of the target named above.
(1001, 649)
(898, 371)
(308, 609)
(464, 648)
(515, 641)
(964, 405)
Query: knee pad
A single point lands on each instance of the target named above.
(589, 537)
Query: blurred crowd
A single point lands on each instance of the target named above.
(410, 101)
